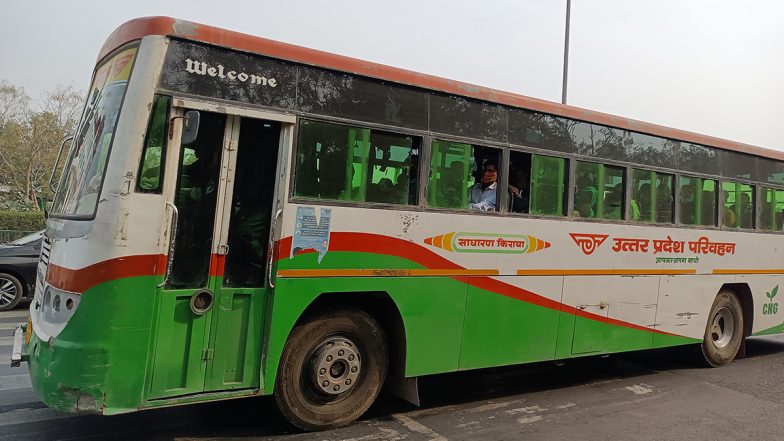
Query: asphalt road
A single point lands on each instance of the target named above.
(654, 395)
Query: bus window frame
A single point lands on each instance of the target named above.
(427, 138)
(573, 183)
(119, 119)
(292, 164)
(675, 195)
(164, 146)
(540, 152)
(716, 211)
(755, 209)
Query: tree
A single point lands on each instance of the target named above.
(30, 136)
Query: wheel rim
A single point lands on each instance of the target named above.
(336, 366)
(7, 291)
(722, 327)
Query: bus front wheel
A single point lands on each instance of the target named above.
(331, 370)
(724, 331)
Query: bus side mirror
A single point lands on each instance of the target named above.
(190, 129)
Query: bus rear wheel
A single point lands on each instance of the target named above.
(724, 331)
(332, 369)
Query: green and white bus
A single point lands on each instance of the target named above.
(242, 217)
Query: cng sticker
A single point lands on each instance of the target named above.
(770, 307)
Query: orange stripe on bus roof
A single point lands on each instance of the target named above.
(138, 28)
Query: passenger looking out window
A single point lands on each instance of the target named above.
(463, 176)
(483, 193)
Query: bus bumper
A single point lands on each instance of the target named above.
(76, 387)
(19, 352)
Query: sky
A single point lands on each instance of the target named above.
(714, 67)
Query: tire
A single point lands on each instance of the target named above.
(10, 291)
(317, 363)
(724, 330)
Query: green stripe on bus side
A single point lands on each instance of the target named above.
(102, 351)
(451, 325)
(106, 349)
(778, 329)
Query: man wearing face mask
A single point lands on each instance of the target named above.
(483, 194)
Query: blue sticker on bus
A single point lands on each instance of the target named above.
(311, 232)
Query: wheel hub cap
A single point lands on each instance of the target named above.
(7, 291)
(336, 366)
(722, 328)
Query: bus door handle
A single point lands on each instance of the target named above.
(57, 162)
(172, 237)
(271, 246)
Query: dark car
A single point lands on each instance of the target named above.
(18, 263)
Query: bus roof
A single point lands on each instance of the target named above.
(166, 26)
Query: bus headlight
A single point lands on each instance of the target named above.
(57, 306)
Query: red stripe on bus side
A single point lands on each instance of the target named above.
(378, 244)
(217, 265)
(82, 279)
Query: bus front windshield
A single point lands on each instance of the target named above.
(80, 183)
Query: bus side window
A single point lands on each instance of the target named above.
(346, 163)
(698, 201)
(150, 175)
(772, 210)
(737, 205)
(652, 196)
(549, 182)
(463, 176)
(520, 182)
(599, 191)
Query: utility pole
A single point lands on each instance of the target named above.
(566, 52)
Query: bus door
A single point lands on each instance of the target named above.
(211, 307)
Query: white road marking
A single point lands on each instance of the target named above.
(471, 425)
(383, 434)
(8, 382)
(415, 426)
(529, 409)
(7, 341)
(565, 406)
(492, 406)
(23, 313)
(530, 419)
(8, 326)
(640, 389)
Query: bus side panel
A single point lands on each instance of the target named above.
(684, 305)
(607, 299)
(768, 304)
(500, 330)
(631, 299)
(433, 310)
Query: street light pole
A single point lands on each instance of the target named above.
(566, 52)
